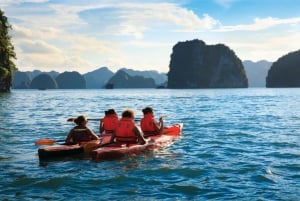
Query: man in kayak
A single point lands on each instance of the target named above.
(81, 133)
(127, 132)
(149, 126)
(109, 123)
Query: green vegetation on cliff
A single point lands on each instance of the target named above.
(7, 55)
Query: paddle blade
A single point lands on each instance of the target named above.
(88, 147)
(45, 142)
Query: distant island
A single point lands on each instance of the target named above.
(193, 64)
(98, 79)
(285, 72)
(197, 65)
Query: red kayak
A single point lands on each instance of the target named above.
(114, 151)
(64, 150)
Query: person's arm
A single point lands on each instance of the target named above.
(113, 136)
(161, 125)
(139, 134)
(101, 127)
(93, 135)
(69, 137)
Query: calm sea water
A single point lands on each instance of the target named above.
(237, 144)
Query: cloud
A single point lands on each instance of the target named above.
(141, 16)
(260, 24)
(37, 47)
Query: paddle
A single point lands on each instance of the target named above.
(46, 142)
(72, 119)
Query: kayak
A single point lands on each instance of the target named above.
(61, 150)
(117, 150)
(66, 150)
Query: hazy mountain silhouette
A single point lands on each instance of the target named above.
(257, 72)
(98, 78)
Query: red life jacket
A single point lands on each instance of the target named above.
(148, 125)
(80, 134)
(124, 131)
(110, 123)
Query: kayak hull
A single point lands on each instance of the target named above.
(56, 151)
(117, 150)
(64, 150)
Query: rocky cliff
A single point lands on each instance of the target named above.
(285, 72)
(197, 65)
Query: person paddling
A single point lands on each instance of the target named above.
(80, 133)
(109, 122)
(127, 131)
(149, 126)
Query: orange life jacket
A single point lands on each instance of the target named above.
(110, 123)
(80, 134)
(148, 125)
(124, 131)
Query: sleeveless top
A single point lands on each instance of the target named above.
(80, 134)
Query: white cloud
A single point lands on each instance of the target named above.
(261, 24)
(141, 16)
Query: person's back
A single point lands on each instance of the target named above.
(127, 132)
(124, 131)
(148, 124)
(80, 133)
(110, 122)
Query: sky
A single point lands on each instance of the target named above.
(84, 35)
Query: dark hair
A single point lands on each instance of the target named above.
(110, 111)
(80, 119)
(128, 114)
(147, 110)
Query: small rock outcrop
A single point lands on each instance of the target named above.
(285, 72)
(123, 80)
(197, 65)
(70, 80)
(43, 81)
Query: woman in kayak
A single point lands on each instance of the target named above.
(149, 126)
(109, 123)
(127, 132)
(80, 133)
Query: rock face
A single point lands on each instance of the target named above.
(197, 65)
(43, 81)
(285, 72)
(70, 80)
(122, 80)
